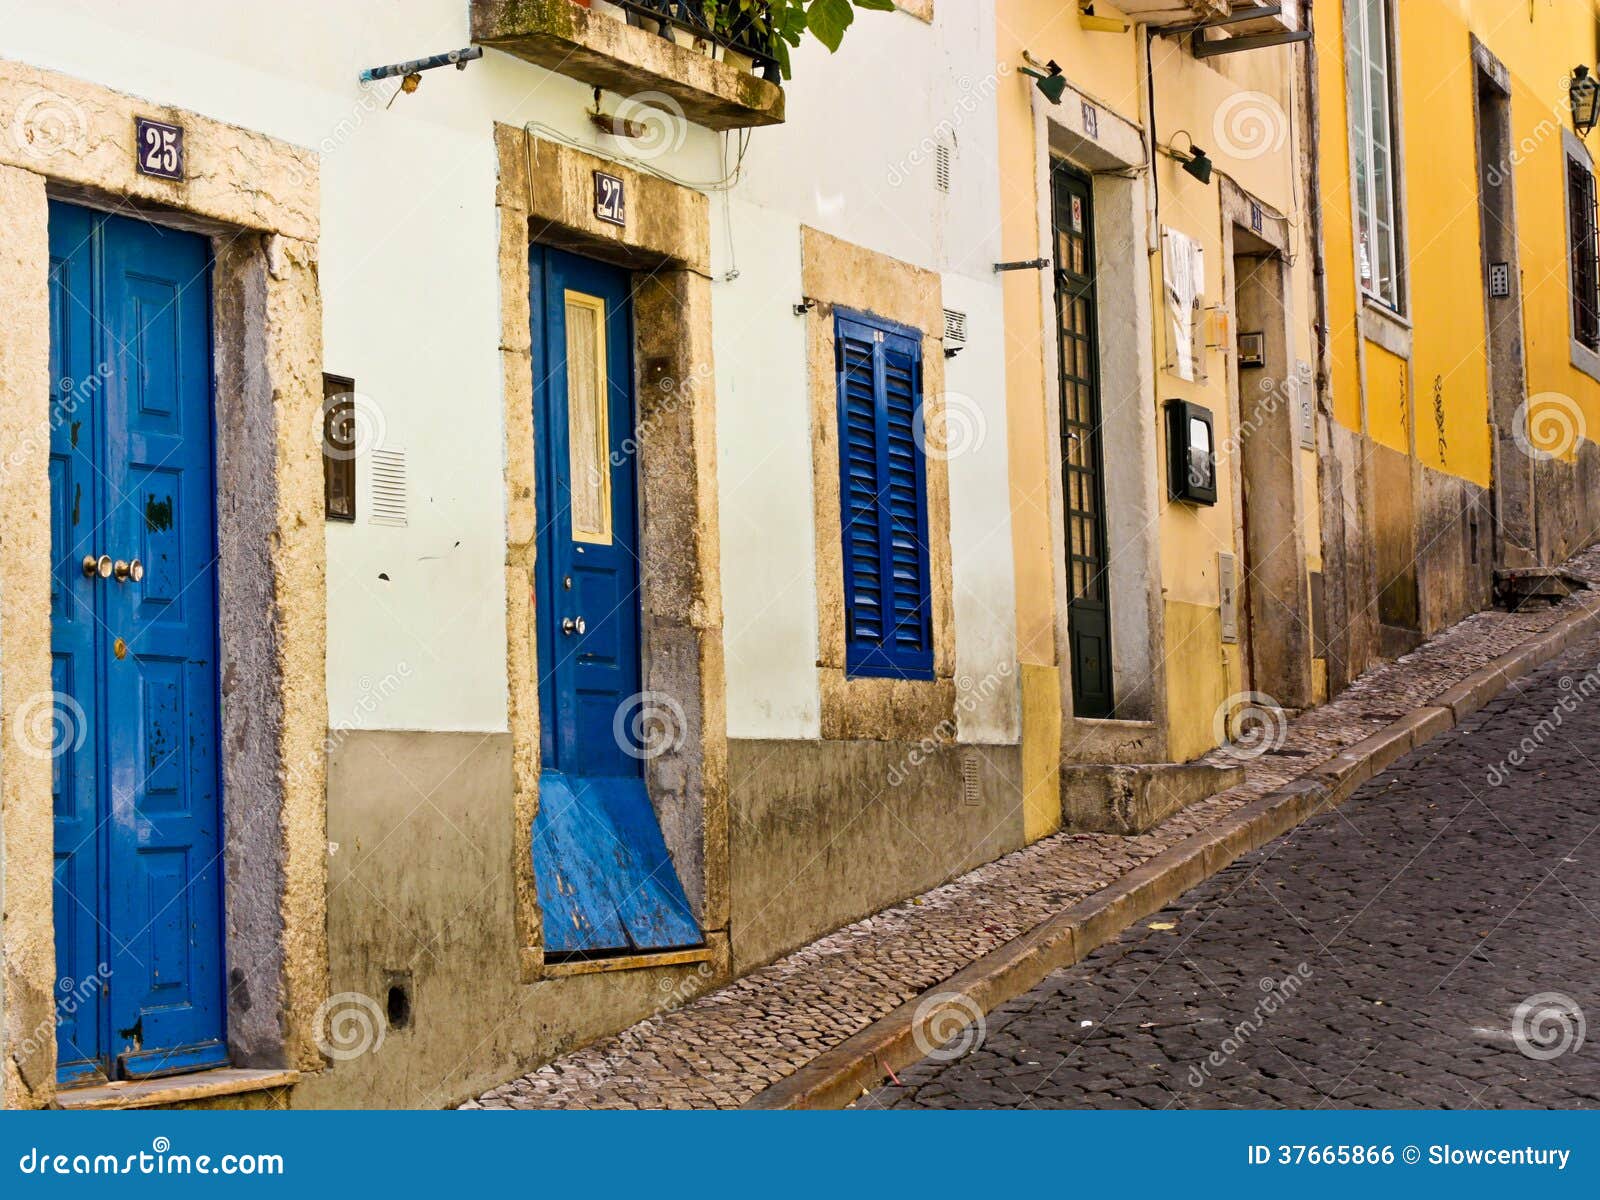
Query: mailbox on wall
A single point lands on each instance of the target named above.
(1191, 453)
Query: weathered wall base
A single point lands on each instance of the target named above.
(1431, 538)
(422, 898)
(825, 833)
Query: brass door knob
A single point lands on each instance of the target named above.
(125, 571)
(93, 566)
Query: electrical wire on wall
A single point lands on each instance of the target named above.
(724, 185)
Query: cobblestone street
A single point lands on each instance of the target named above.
(1417, 947)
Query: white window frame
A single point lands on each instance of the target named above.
(1573, 151)
(1370, 65)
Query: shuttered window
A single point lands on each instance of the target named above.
(883, 499)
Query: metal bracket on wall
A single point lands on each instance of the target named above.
(1210, 49)
(455, 58)
(1031, 264)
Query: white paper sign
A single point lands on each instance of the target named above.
(1183, 268)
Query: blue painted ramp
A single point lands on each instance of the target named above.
(606, 882)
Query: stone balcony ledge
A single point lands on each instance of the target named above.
(606, 52)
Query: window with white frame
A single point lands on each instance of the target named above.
(1370, 67)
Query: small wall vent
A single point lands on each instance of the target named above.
(955, 328)
(388, 471)
(971, 793)
(942, 155)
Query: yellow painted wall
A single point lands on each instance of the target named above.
(1445, 393)
(1213, 102)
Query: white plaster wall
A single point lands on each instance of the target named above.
(410, 292)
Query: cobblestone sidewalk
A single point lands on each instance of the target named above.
(1429, 944)
(724, 1048)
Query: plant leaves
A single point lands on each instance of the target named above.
(877, 5)
(828, 19)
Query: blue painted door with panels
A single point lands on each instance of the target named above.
(606, 882)
(132, 724)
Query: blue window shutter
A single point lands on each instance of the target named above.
(883, 501)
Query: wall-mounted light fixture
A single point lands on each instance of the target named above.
(806, 305)
(1052, 84)
(1197, 164)
(1087, 20)
(1583, 93)
(410, 73)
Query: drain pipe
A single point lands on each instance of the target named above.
(1147, 118)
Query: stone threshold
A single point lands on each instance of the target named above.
(174, 1089)
(836, 1017)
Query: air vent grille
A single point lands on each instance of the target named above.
(941, 166)
(955, 327)
(388, 468)
(970, 792)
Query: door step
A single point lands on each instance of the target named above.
(174, 1089)
(1535, 586)
(1133, 799)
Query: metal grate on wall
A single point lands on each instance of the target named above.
(955, 328)
(942, 156)
(388, 472)
(971, 790)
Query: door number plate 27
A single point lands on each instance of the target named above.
(609, 205)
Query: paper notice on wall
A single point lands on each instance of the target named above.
(1183, 267)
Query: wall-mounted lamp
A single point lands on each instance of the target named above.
(1087, 20)
(806, 305)
(1583, 92)
(1048, 78)
(410, 73)
(1197, 165)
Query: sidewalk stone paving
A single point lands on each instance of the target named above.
(1438, 931)
(723, 1048)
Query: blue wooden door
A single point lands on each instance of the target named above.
(138, 898)
(606, 882)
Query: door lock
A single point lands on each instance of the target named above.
(93, 566)
(125, 571)
(569, 626)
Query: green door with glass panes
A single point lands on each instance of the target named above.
(1082, 466)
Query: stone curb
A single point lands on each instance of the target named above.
(841, 1075)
